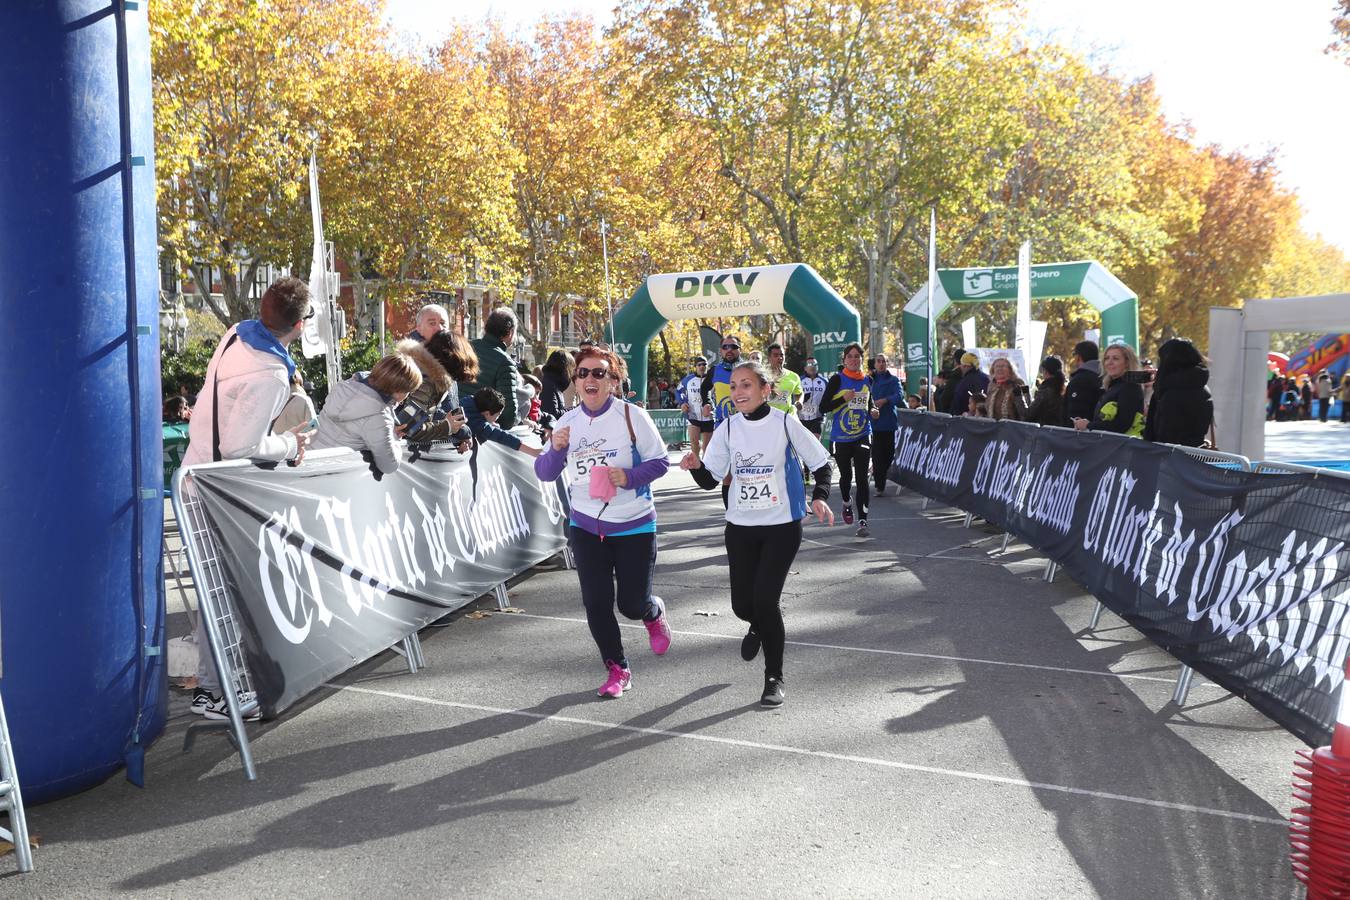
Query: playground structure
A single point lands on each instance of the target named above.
(793, 289)
(1239, 341)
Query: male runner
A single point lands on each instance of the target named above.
(689, 395)
(717, 383)
(786, 386)
(813, 388)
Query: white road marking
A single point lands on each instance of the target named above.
(960, 659)
(822, 754)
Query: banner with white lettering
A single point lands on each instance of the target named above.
(1243, 577)
(329, 565)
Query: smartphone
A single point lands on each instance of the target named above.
(1138, 377)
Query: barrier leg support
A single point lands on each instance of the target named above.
(500, 593)
(409, 654)
(925, 503)
(568, 560)
(417, 647)
(1183, 685)
(11, 800)
(1007, 539)
(1051, 568)
(970, 517)
(1096, 616)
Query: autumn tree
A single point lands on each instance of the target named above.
(241, 91)
(416, 171)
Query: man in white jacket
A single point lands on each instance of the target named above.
(248, 381)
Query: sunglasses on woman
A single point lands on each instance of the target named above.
(598, 374)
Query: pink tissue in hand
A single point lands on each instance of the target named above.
(601, 487)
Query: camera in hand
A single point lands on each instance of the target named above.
(412, 414)
(1138, 377)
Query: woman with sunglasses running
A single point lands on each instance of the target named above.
(609, 452)
(762, 450)
(848, 406)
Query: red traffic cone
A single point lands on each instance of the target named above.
(1319, 828)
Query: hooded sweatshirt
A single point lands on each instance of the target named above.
(360, 417)
(253, 386)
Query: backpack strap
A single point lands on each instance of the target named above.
(628, 419)
(215, 402)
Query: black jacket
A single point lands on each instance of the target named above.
(1082, 394)
(1047, 407)
(1181, 408)
(551, 400)
(1120, 409)
(972, 382)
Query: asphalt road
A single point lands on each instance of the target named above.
(952, 729)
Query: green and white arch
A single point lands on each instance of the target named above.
(1089, 279)
(795, 289)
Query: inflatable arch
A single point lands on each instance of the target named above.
(794, 289)
(1089, 279)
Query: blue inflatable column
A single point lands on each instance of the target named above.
(81, 603)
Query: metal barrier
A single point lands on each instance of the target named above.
(216, 606)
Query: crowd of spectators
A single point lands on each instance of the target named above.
(1111, 390)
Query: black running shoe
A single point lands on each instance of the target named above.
(750, 645)
(773, 691)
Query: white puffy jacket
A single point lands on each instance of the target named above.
(356, 416)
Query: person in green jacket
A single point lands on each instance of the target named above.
(496, 369)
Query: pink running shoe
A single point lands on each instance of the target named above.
(658, 630)
(620, 680)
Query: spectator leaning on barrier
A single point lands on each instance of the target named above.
(973, 381)
(1007, 393)
(248, 382)
(1121, 405)
(1181, 409)
(484, 409)
(496, 369)
(1047, 407)
(359, 412)
(431, 319)
(1085, 383)
(444, 360)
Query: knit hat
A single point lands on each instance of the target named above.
(969, 359)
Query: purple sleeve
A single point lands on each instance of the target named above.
(641, 475)
(549, 464)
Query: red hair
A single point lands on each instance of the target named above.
(616, 367)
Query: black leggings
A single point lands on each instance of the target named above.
(758, 557)
(883, 454)
(627, 561)
(853, 457)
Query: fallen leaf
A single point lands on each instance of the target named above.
(704, 612)
(511, 609)
(478, 614)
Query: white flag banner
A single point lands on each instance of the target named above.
(1022, 331)
(1035, 348)
(317, 336)
(968, 332)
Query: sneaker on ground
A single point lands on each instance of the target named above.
(863, 530)
(217, 708)
(619, 680)
(750, 645)
(848, 514)
(200, 698)
(658, 629)
(773, 692)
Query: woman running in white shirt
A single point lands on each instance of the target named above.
(762, 450)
